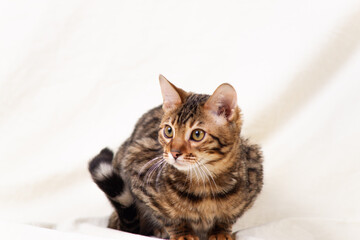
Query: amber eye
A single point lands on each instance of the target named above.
(197, 135)
(168, 131)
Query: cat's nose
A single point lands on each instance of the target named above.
(175, 154)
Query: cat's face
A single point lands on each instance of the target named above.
(196, 129)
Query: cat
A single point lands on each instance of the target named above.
(185, 173)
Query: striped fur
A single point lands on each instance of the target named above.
(201, 194)
(118, 193)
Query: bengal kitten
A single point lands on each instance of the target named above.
(185, 172)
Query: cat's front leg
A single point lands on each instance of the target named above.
(186, 237)
(221, 231)
(181, 232)
(220, 236)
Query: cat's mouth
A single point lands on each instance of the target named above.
(181, 163)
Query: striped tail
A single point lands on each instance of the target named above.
(117, 191)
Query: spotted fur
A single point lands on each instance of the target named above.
(198, 196)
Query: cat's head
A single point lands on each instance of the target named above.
(198, 129)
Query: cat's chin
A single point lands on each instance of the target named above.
(181, 164)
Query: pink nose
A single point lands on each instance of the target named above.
(176, 154)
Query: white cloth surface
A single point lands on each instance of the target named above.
(76, 75)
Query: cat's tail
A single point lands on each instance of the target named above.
(117, 191)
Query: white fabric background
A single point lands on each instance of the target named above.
(76, 75)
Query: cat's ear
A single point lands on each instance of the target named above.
(173, 97)
(223, 102)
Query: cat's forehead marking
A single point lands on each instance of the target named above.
(173, 120)
(198, 124)
(190, 109)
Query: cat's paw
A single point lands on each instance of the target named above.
(161, 233)
(220, 236)
(185, 237)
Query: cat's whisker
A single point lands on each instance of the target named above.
(187, 176)
(159, 173)
(210, 184)
(148, 163)
(152, 170)
(197, 176)
(150, 173)
(154, 162)
(203, 175)
(209, 176)
(191, 176)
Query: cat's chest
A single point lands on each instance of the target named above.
(201, 215)
(194, 205)
(209, 208)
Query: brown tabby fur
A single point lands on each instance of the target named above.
(202, 203)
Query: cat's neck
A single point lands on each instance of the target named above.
(230, 163)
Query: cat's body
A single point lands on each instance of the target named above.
(175, 184)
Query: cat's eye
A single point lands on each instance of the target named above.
(197, 135)
(168, 131)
